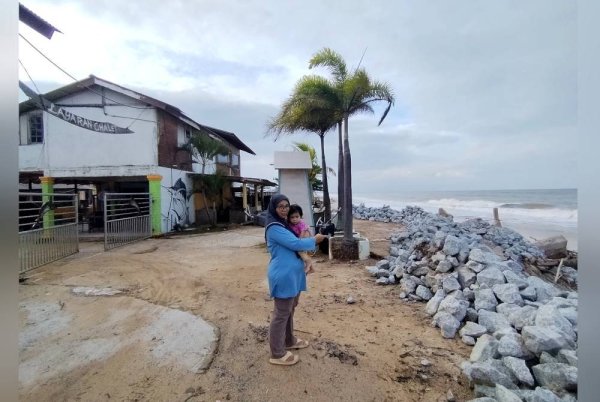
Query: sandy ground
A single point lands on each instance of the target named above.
(122, 347)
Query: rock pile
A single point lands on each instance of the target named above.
(471, 275)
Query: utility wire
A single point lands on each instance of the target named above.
(124, 117)
(30, 79)
(101, 94)
(75, 79)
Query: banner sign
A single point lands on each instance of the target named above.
(69, 117)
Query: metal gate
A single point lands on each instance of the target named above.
(126, 218)
(47, 228)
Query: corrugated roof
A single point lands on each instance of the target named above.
(81, 85)
(36, 22)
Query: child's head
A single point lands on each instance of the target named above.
(294, 214)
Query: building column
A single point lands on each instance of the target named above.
(244, 196)
(47, 200)
(256, 204)
(155, 208)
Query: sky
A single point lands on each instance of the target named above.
(485, 92)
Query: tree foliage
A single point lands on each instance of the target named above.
(204, 148)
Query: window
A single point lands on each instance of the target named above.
(235, 160)
(188, 134)
(223, 158)
(36, 128)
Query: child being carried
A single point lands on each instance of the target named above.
(301, 229)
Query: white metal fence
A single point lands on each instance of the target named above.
(126, 218)
(47, 228)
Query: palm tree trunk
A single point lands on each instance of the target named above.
(340, 200)
(347, 208)
(326, 200)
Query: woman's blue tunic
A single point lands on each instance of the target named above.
(286, 269)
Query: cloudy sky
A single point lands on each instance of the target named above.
(485, 91)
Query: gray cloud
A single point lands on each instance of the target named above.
(485, 91)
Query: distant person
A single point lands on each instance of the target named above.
(286, 280)
(301, 229)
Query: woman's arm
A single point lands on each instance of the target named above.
(284, 237)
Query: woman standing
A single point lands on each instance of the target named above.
(286, 279)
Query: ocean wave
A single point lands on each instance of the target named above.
(525, 205)
(455, 203)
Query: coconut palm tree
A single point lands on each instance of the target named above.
(357, 91)
(316, 169)
(313, 106)
(337, 67)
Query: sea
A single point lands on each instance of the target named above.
(535, 214)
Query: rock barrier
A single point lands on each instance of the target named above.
(472, 277)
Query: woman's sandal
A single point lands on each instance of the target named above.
(300, 344)
(286, 360)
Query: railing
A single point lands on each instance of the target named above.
(47, 228)
(126, 218)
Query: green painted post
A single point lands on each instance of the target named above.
(155, 212)
(47, 188)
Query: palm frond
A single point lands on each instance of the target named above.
(327, 57)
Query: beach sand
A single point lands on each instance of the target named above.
(369, 350)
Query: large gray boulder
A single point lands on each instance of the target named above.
(556, 376)
(444, 266)
(408, 284)
(567, 356)
(508, 266)
(485, 348)
(503, 394)
(570, 314)
(432, 305)
(542, 395)
(506, 309)
(475, 266)
(553, 247)
(543, 289)
(508, 293)
(447, 323)
(549, 316)
(423, 292)
(466, 277)
(529, 293)
(450, 284)
(519, 369)
(544, 339)
(491, 372)
(483, 257)
(492, 321)
(485, 299)
(452, 245)
(438, 239)
(420, 270)
(519, 280)
(472, 329)
(522, 317)
(513, 345)
(490, 276)
(454, 306)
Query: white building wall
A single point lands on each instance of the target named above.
(177, 199)
(293, 167)
(70, 150)
(294, 184)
